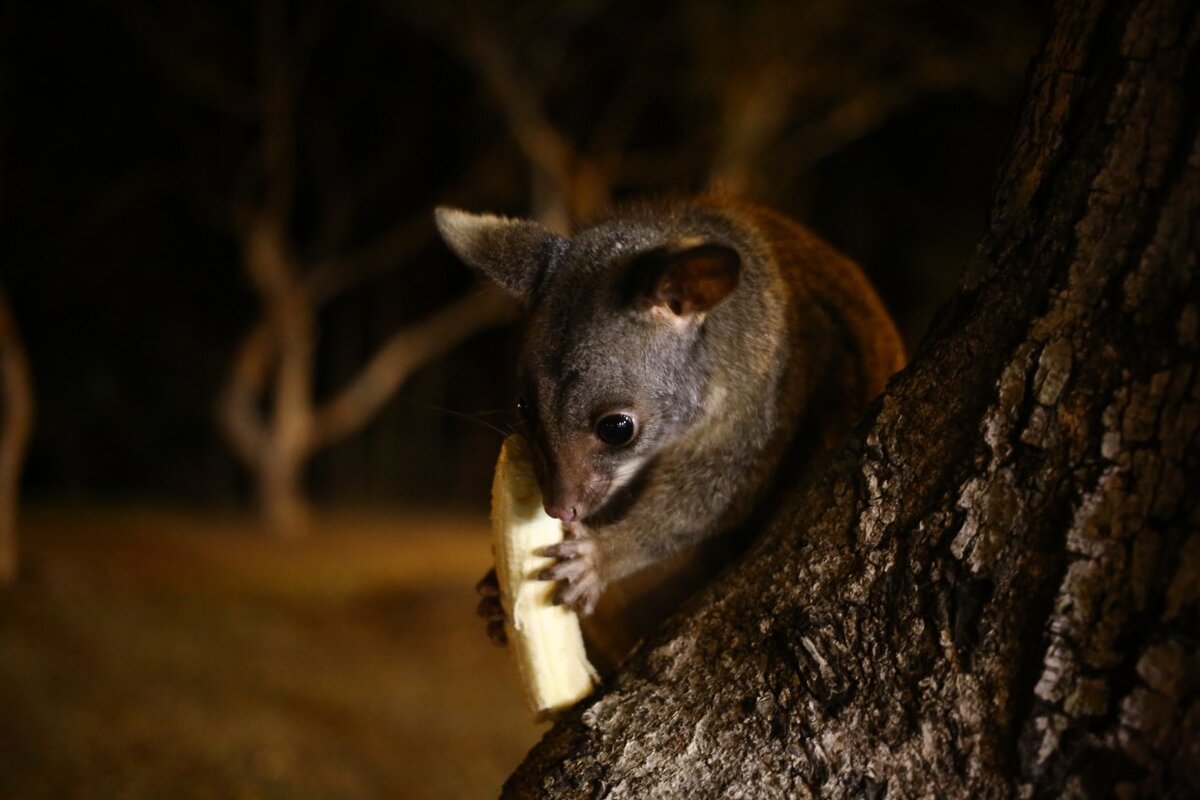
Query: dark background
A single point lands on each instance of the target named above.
(118, 175)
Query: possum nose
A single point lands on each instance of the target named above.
(565, 513)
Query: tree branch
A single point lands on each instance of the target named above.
(756, 111)
(204, 80)
(539, 140)
(578, 184)
(238, 409)
(276, 113)
(238, 404)
(340, 273)
(408, 349)
(16, 386)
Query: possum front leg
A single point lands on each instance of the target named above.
(589, 560)
(578, 566)
(666, 519)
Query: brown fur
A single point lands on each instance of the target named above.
(729, 374)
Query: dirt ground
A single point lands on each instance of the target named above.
(153, 654)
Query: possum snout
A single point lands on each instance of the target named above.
(571, 490)
(569, 497)
(563, 512)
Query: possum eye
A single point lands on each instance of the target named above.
(616, 429)
(526, 411)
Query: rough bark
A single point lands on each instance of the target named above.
(994, 589)
(16, 425)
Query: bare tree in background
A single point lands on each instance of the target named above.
(16, 425)
(516, 54)
(268, 408)
(772, 82)
(993, 590)
(793, 83)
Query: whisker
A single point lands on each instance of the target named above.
(461, 415)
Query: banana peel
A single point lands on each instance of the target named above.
(544, 636)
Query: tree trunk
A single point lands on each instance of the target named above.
(16, 419)
(281, 496)
(286, 443)
(994, 589)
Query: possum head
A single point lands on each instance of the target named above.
(613, 366)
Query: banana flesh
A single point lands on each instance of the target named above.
(544, 636)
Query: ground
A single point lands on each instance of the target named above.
(154, 654)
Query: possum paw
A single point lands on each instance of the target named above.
(577, 567)
(490, 607)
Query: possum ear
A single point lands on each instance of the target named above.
(680, 283)
(512, 252)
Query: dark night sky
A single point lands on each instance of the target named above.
(129, 293)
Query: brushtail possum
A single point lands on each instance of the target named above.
(674, 354)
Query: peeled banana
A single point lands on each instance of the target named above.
(544, 636)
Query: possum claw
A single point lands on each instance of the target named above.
(489, 584)
(581, 595)
(577, 566)
(496, 634)
(490, 608)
